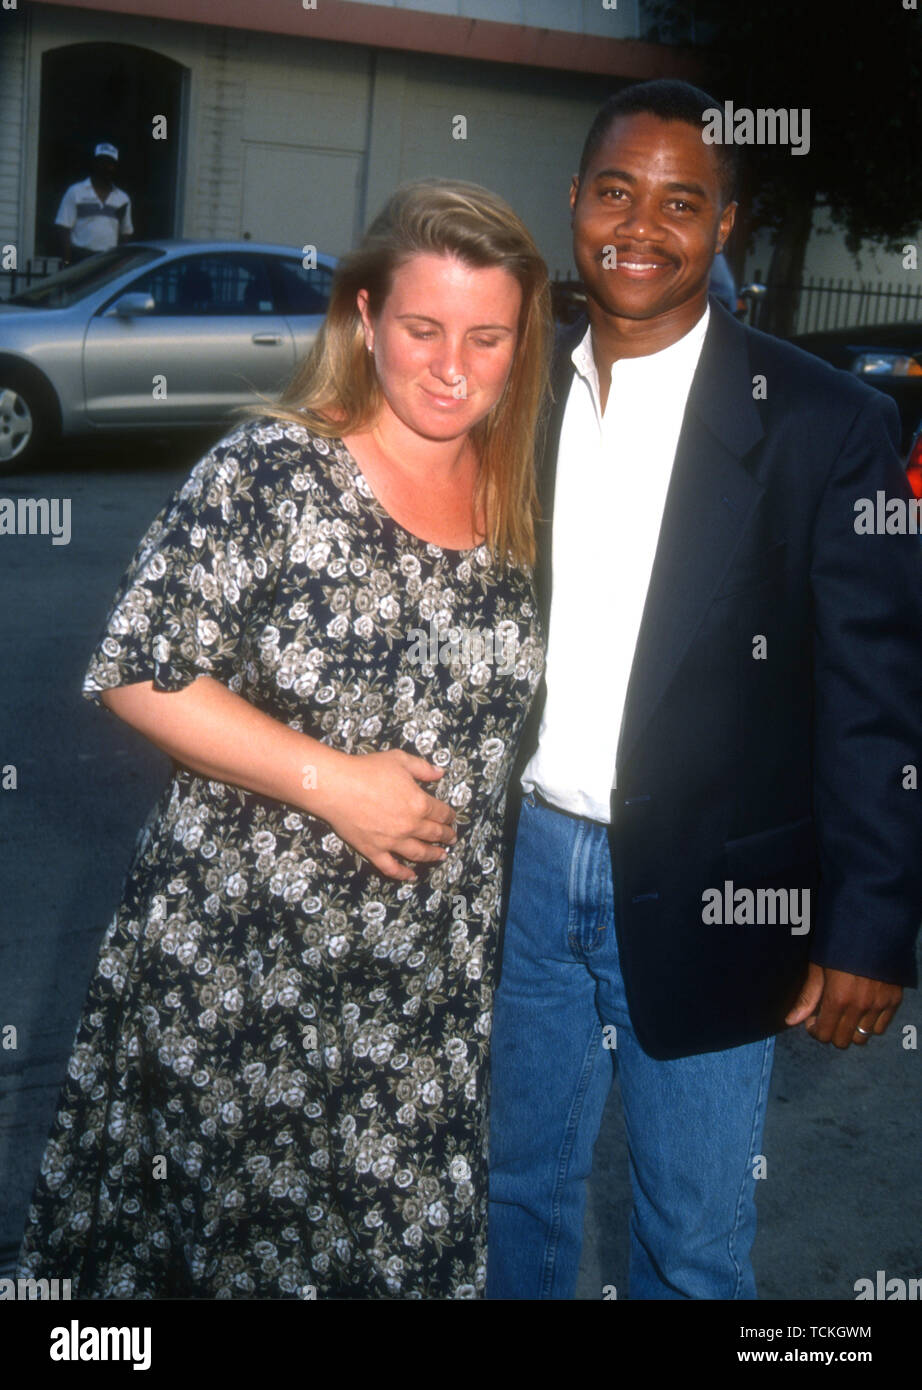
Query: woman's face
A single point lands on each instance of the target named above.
(444, 342)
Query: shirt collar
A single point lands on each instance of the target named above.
(87, 187)
(684, 350)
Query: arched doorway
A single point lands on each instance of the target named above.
(93, 92)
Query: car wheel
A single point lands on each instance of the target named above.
(27, 420)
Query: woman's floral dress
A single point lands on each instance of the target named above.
(277, 1088)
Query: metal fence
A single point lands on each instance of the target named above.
(823, 302)
(36, 268)
(818, 303)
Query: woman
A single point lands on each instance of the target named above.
(277, 1087)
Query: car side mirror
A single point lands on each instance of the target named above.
(131, 305)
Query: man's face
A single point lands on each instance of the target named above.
(104, 168)
(652, 192)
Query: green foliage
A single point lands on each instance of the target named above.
(856, 66)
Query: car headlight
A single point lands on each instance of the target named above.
(886, 364)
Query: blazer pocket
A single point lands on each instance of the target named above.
(772, 851)
(754, 570)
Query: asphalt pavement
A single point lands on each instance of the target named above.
(842, 1193)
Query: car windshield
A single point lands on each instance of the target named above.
(77, 281)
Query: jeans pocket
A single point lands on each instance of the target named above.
(590, 917)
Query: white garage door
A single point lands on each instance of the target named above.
(300, 197)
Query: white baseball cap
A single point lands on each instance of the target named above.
(109, 150)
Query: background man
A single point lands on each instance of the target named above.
(732, 697)
(94, 215)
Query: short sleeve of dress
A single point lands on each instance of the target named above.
(203, 567)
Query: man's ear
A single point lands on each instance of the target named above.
(725, 226)
(574, 193)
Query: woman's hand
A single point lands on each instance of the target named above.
(372, 800)
(374, 803)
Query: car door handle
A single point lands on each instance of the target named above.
(267, 339)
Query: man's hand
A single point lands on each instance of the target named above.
(841, 1008)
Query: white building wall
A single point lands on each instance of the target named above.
(301, 141)
(255, 102)
(615, 19)
(214, 158)
(304, 139)
(523, 132)
(13, 44)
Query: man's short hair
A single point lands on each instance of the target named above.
(670, 101)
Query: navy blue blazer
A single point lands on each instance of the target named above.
(763, 765)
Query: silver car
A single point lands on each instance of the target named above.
(151, 335)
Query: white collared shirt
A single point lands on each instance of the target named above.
(613, 471)
(95, 225)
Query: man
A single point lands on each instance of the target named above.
(717, 836)
(94, 215)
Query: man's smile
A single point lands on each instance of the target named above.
(638, 264)
(640, 269)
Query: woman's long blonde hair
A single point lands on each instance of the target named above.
(335, 390)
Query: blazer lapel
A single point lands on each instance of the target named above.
(708, 505)
(562, 370)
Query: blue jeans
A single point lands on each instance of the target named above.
(694, 1125)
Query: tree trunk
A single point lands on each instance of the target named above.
(785, 274)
